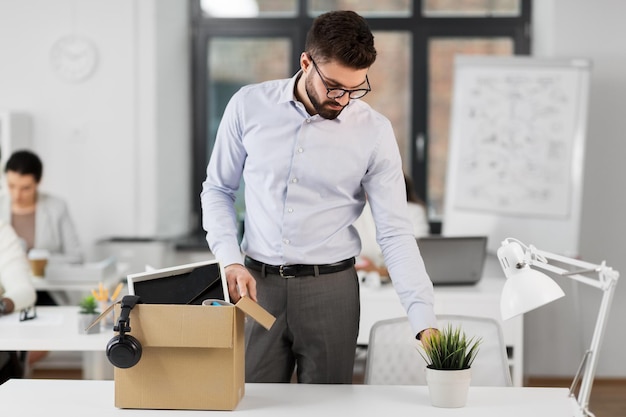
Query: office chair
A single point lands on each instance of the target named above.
(393, 357)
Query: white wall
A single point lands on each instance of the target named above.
(108, 143)
(557, 335)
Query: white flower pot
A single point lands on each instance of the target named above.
(448, 388)
(84, 320)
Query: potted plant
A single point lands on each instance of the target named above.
(449, 355)
(89, 311)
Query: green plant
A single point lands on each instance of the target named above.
(450, 349)
(89, 305)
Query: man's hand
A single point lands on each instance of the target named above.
(240, 282)
(7, 305)
(426, 334)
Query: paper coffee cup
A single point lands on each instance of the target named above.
(38, 259)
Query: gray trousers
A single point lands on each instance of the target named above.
(315, 333)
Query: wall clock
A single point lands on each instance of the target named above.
(74, 58)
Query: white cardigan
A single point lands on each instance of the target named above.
(15, 282)
(54, 229)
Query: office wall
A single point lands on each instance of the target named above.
(557, 335)
(115, 145)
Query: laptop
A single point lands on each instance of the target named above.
(183, 284)
(454, 260)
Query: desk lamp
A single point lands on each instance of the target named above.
(526, 289)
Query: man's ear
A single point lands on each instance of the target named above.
(305, 62)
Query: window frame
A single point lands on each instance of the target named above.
(423, 28)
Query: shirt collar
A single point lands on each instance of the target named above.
(288, 94)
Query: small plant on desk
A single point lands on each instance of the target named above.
(450, 349)
(89, 305)
(449, 355)
(89, 312)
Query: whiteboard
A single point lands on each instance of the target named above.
(516, 150)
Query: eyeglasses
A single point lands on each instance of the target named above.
(28, 313)
(335, 93)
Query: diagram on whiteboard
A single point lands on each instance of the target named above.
(513, 133)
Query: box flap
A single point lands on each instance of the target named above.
(258, 313)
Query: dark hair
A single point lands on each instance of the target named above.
(341, 36)
(25, 163)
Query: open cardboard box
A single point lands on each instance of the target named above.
(192, 356)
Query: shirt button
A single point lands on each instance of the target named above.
(294, 180)
(308, 121)
(300, 150)
(290, 210)
(286, 241)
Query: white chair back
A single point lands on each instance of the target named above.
(393, 357)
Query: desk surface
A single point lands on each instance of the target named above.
(86, 285)
(55, 328)
(96, 398)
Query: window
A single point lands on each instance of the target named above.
(237, 42)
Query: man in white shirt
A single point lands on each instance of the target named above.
(309, 151)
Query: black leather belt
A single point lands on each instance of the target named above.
(298, 270)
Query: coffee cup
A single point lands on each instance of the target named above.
(38, 259)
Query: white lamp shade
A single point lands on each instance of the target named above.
(525, 290)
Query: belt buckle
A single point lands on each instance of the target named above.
(283, 273)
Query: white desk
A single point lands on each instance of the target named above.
(96, 398)
(56, 328)
(109, 280)
(480, 300)
(43, 284)
(70, 290)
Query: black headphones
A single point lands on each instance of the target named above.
(123, 350)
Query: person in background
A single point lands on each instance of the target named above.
(309, 152)
(16, 292)
(370, 264)
(41, 221)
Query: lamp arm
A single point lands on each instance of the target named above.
(575, 275)
(594, 349)
(606, 275)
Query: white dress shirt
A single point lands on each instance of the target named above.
(305, 183)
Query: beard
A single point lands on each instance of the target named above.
(323, 108)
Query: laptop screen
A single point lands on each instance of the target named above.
(184, 284)
(454, 260)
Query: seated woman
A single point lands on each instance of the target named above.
(41, 220)
(16, 292)
(370, 264)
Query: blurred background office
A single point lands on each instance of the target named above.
(133, 91)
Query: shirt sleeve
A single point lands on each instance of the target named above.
(224, 172)
(384, 185)
(15, 273)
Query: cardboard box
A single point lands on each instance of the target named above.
(192, 356)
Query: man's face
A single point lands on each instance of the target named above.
(334, 76)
